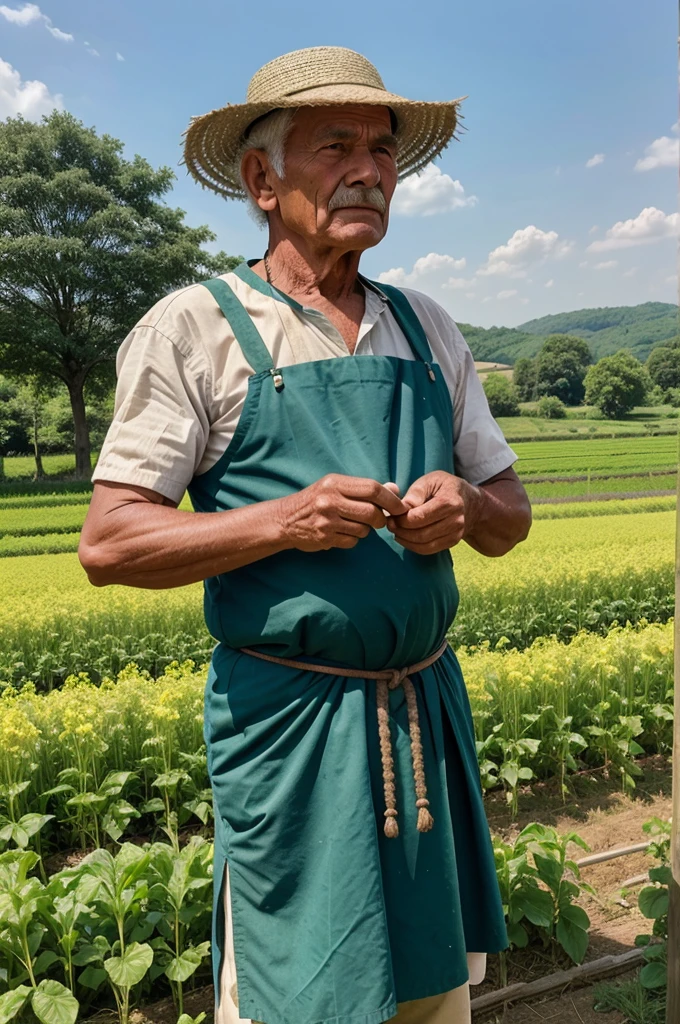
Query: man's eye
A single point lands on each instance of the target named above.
(334, 145)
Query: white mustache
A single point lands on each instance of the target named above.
(368, 197)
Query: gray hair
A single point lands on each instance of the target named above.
(270, 134)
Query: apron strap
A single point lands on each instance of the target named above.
(245, 331)
(405, 316)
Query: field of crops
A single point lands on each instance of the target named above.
(569, 575)
(611, 456)
(565, 644)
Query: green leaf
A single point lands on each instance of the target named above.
(536, 905)
(572, 939)
(510, 773)
(576, 915)
(11, 1003)
(518, 936)
(653, 975)
(45, 960)
(653, 902)
(662, 874)
(92, 977)
(53, 1003)
(129, 969)
(549, 871)
(186, 1019)
(182, 967)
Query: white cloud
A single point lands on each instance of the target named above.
(458, 283)
(425, 266)
(550, 283)
(487, 298)
(595, 160)
(663, 152)
(92, 51)
(650, 225)
(607, 265)
(21, 15)
(30, 13)
(30, 99)
(524, 302)
(595, 228)
(428, 193)
(507, 293)
(630, 273)
(527, 246)
(65, 37)
(119, 56)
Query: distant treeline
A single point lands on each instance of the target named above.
(607, 330)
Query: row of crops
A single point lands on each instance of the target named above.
(105, 805)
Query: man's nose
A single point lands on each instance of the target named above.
(363, 171)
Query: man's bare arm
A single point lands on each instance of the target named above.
(445, 509)
(139, 538)
(500, 515)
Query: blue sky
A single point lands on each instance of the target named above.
(508, 209)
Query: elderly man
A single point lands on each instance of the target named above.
(336, 443)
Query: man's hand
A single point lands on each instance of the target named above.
(441, 508)
(336, 512)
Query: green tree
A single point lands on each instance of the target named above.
(616, 384)
(561, 366)
(86, 246)
(663, 366)
(524, 378)
(501, 395)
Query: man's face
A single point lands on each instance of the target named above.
(334, 157)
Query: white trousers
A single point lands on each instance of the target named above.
(449, 1008)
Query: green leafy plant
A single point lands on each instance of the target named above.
(22, 901)
(539, 884)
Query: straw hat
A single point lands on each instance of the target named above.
(318, 76)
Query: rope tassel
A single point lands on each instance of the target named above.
(386, 680)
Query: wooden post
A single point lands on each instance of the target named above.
(673, 1002)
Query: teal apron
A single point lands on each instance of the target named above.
(334, 923)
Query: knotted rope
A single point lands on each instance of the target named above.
(386, 679)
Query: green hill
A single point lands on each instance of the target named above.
(606, 329)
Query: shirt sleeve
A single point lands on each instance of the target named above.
(480, 449)
(161, 421)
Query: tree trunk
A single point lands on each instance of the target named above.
(673, 997)
(81, 429)
(39, 471)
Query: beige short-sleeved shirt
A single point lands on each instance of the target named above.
(182, 381)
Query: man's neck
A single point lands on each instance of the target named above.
(310, 276)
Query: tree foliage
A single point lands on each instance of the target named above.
(616, 384)
(524, 379)
(663, 366)
(86, 247)
(607, 330)
(560, 367)
(501, 395)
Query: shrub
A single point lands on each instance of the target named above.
(502, 396)
(551, 408)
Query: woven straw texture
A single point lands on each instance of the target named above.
(318, 76)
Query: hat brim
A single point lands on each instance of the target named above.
(214, 140)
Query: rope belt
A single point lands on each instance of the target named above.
(386, 679)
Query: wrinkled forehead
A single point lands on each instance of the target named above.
(354, 118)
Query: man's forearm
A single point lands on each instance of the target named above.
(155, 547)
(500, 517)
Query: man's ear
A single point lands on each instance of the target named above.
(257, 174)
